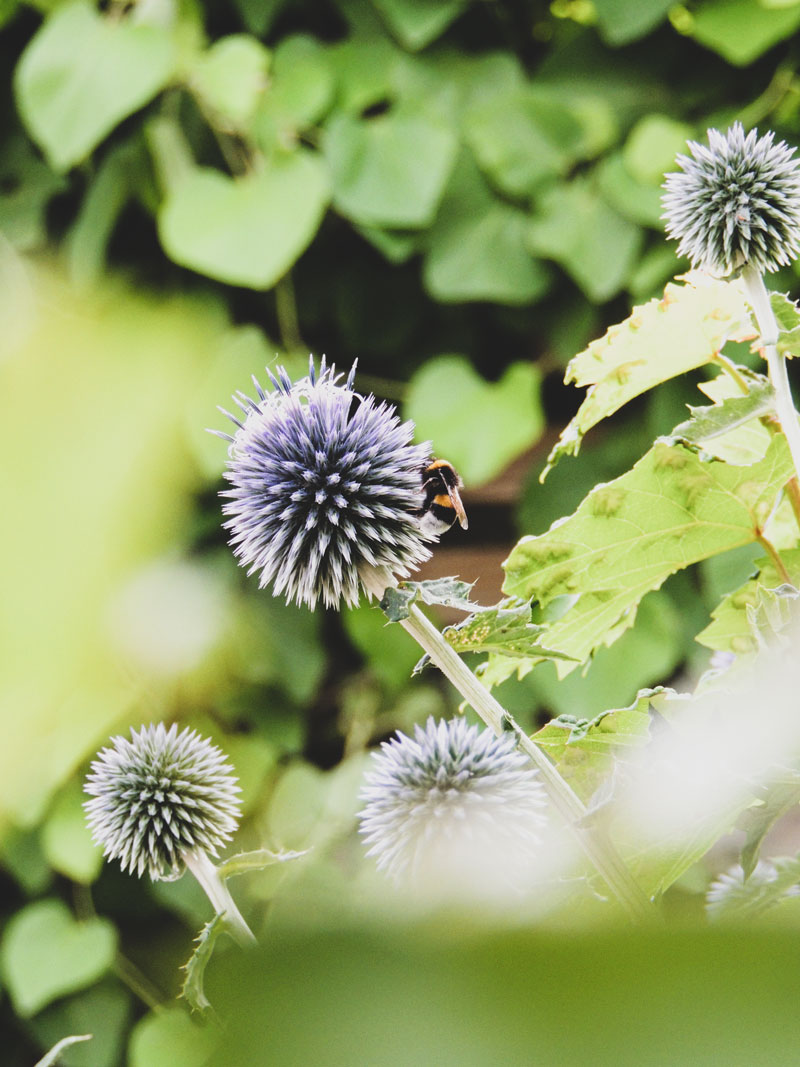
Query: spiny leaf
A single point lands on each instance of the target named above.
(659, 340)
(505, 628)
(447, 592)
(673, 508)
(733, 896)
(192, 988)
(257, 860)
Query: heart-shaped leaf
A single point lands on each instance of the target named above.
(82, 73)
(46, 954)
(482, 426)
(245, 231)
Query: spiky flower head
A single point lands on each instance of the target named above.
(158, 796)
(455, 808)
(735, 203)
(325, 483)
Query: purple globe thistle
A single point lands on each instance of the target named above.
(158, 797)
(456, 809)
(735, 203)
(325, 484)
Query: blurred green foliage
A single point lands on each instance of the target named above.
(461, 195)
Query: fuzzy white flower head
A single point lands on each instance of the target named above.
(159, 796)
(325, 484)
(455, 810)
(735, 203)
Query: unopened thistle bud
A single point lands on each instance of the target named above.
(735, 203)
(159, 797)
(324, 484)
(454, 809)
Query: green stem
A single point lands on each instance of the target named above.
(286, 311)
(218, 893)
(776, 364)
(593, 840)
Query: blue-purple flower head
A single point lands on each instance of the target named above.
(325, 484)
(159, 796)
(455, 808)
(735, 203)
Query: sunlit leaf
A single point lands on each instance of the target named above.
(171, 1037)
(622, 21)
(230, 77)
(659, 340)
(582, 749)
(672, 509)
(731, 629)
(505, 629)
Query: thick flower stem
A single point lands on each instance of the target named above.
(221, 900)
(776, 365)
(592, 839)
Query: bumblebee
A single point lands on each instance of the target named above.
(441, 499)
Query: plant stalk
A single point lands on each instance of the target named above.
(776, 364)
(218, 893)
(592, 839)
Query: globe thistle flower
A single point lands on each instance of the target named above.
(456, 809)
(325, 484)
(735, 203)
(160, 798)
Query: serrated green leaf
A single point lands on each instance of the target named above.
(505, 629)
(582, 749)
(254, 227)
(483, 425)
(742, 30)
(672, 509)
(780, 797)
(659, 340)
(730, 629)
(476, 248)
(53, 1055)
(773, 612)
(46, 954)
(84, 72)
(447, 592)
(732, 414)
(192, 989)
(575, 226)
(736, 896)
(747, 443)
(390, 170)
(415, 23)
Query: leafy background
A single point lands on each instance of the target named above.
(458, 194)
